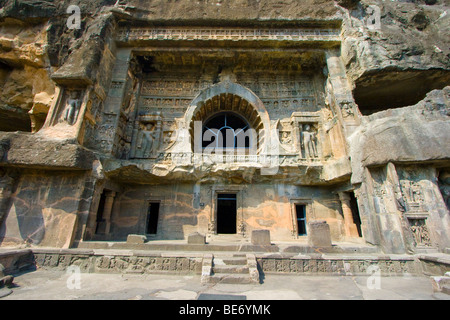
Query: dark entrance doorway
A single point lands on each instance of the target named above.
(152, 218)
(226, 213)
(355, 213)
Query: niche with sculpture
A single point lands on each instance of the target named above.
(70, 107)
(309, 141)
(147, 135)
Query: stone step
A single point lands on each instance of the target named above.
(230, 278)
(232, 269)
(441, 284)
(231, 261)
(446, 289)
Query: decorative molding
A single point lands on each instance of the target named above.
(227, 34)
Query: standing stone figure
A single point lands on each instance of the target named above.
(147, 141)
(310, 142)
(72, 108)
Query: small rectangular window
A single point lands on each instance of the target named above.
(301, 219)
(152, 218)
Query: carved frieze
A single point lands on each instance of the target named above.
(119, 264)
(227, 34)
(336, 266)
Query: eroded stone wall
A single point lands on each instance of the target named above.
(187, 208)
(43, 209)
(313, 68)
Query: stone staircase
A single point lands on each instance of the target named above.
(231, 268)
(441, 284)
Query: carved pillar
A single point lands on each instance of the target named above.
(341, 92)
(350, 227)
(109, 202)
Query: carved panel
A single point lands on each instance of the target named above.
(119, 264)
(420, 232)
(380, 193)
(413, 195)
(412, 184)
(336, 266)
(227, 34)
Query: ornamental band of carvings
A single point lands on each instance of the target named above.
(190, 265)
(297, 87)
(338, 267)
(119, 264)
(223, 34)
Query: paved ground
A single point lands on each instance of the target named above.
(51, 285)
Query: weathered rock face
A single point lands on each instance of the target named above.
(345, 103)
(395, 52)
(24, 76)
(412, 134)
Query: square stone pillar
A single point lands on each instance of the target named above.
(319, 234)
(341, 93)
(109, 202)
(261, 238)
(196, 238)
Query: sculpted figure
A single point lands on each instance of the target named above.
(72, 108)
(147, 141)
(310, 142)
(286, 138)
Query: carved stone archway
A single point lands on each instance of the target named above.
(230, 96)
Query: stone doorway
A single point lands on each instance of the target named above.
(152, 218)
(227, 213)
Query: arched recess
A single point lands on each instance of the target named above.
(229, 96)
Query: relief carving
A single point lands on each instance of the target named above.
(420, 232)
(146, 137)
(286, 137)
(347, 110)
(72, 107)
(309, 142)
(413, 195)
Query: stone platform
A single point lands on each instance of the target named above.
(225, 244)
(225, 262)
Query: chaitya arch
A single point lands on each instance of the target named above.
(231, 98)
